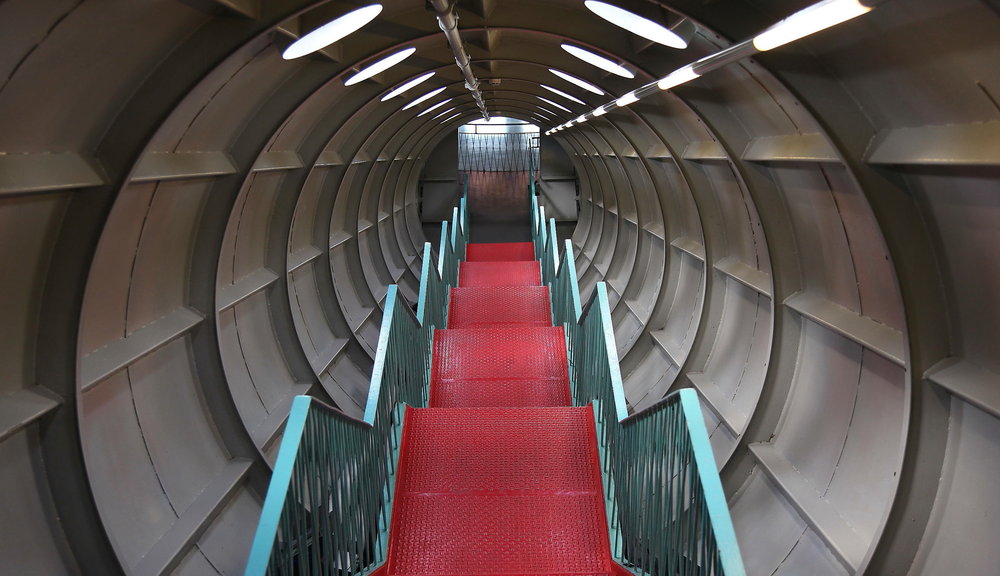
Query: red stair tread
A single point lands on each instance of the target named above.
(499, 450)
(473, 274)
(500, 352)
(500, 392)
(487, 306)
(492, 534)
(490, 491)
(500, 252)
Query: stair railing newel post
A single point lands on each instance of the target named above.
(328, 506)
(667, 513)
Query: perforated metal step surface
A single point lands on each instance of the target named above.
(499, 491)
(488, 306)
(499, 353)
(500, 252)
(475, 274)
(500, 392)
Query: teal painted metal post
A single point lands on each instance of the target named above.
(277, 490)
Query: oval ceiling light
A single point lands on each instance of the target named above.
(430, 94)
(380, 66)
(563, 94)
(637, 24)
(551, 103)
(440, 114)
(436, 106)
(404, 87)
(599, 61)
(574, 80)
(332, 31)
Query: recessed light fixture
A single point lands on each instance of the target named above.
(380, 66)
(430, 94)
(574, 80)
(450, 118)
(563, 94)
(599, 61)
(807, 21)
(440, 114)
(404, 87)
(551, 103)
(436, 106)
(332, 31)
(636, 24)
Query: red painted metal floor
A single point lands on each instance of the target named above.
(500, 475)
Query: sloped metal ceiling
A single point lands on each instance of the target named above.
(195, 230)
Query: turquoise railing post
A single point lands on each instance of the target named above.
(458, 237)
(535, 232)
(667, 512)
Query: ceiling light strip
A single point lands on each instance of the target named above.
(807, 21)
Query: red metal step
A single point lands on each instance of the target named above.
(490, 491)
(499, 353)
(475, 274)
(499, 392)
(500, 252)
(488, 306)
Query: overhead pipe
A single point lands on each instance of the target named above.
(448, 22)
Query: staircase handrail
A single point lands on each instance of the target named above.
(432, 300)
(329, 502)
(535, 227)
(550, 253)
(667, 512)
(328, 505)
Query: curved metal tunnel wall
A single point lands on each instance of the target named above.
(195, 230)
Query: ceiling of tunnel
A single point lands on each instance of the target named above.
(201, 229)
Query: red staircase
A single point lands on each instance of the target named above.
(500, 475)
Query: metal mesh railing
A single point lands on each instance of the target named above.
(666, 510)
(328, 506)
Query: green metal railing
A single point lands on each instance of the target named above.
(328, 507)
(432, 302)
(667, 513)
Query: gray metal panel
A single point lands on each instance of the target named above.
(27, 543)
(966, 515)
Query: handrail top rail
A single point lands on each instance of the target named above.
(375, 390)
(600, 297)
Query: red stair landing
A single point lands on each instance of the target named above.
(500, 252)
(491, 306)
(490, 491)
(476, 274)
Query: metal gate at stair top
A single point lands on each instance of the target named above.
(500, 145)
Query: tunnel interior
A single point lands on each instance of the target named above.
(193, 230)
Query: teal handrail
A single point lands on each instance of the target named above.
(565, 292)
(535, 228)
(329, 503)
(432, 302)
(550, 252)
(328, 506)
(667, 512)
